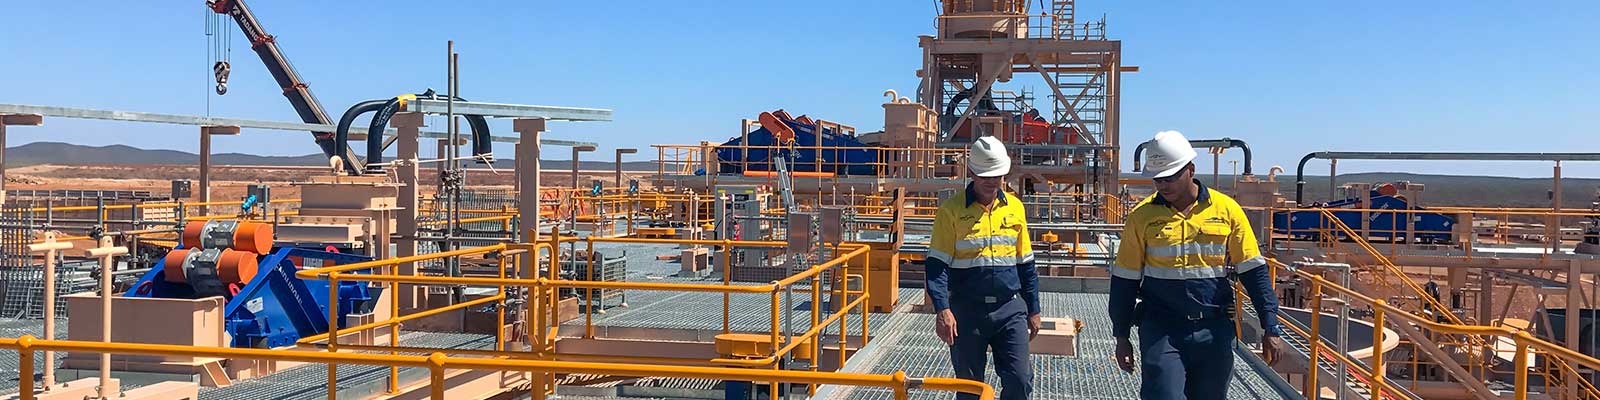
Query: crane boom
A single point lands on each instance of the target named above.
(299, 95)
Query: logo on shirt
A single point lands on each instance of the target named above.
(1216, 220)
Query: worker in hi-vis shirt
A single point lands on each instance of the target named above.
(981, 277)
(1179, 248)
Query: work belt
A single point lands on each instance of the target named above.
(1000, 299)
(1203, 313)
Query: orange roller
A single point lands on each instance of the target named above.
(236, 266)
(253, 237)
(174, 264)
(191, 233)
(1388, 189)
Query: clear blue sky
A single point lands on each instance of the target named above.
(1289, 77)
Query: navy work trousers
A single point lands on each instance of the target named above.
(1183, 359)
(1001, 327)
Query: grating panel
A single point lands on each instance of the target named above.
(908, 343)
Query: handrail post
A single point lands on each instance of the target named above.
(588, 301)
(1312, 370)
(25, 367)
(1520, 391)
(727, 279)
(500, 307)
(394, 329)
(1377, 344)
(866, 287)
(435, 376)
(901, 389)
(333, 333)
(816, 317)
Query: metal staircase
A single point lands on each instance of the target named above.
(1328, 366)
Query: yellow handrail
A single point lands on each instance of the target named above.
(1523, 339)
(438, 363)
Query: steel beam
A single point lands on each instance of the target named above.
(975, 46)
(134, 116)
(497, 110)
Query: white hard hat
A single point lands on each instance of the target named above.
(1169, 153)
(987, 158)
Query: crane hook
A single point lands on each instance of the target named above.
(222, 69)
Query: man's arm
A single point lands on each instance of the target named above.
(1258, 284)
(1253, 271)
(1126, 272)
(1027, 270)
(940, 253)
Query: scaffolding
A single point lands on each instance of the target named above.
(982, 43)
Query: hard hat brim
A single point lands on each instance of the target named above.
(1001, 170)
(1169, 171)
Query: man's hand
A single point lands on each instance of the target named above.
(1271, 347)
(1124, 355)
(945, 326)
(1035, 323)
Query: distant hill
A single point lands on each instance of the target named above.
(71, 154)
(1455, 190)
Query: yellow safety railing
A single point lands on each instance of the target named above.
(544, 297)
(439, 363)
(1561, 357)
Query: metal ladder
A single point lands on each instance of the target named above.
(1063, 11)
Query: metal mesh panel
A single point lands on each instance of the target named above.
(16, 232)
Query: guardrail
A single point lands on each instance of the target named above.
(544, 296)
(438, 363)
(1562, 358)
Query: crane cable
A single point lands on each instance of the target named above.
(220, 40)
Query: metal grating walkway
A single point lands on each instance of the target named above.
(908, 343)
(700, 311)
(310, 381)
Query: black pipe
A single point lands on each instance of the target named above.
(1300, 179)
(482, 141)
(341, 135)
(1198, 143)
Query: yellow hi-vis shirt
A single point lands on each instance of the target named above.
(1199, 243)
(969, 235)
(981, 253)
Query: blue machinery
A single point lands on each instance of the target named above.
(274, 308)
(1310, 225)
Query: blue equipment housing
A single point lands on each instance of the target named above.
(1309, 225)
(275, 308)
(839, 153)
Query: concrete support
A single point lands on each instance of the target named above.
(618, 164)
(1553, 225)
(6, 120)
(408, 125)
(1333, 172)
(205, 160)
(527, 161)
(576, 184)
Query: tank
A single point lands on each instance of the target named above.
(983, 19)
